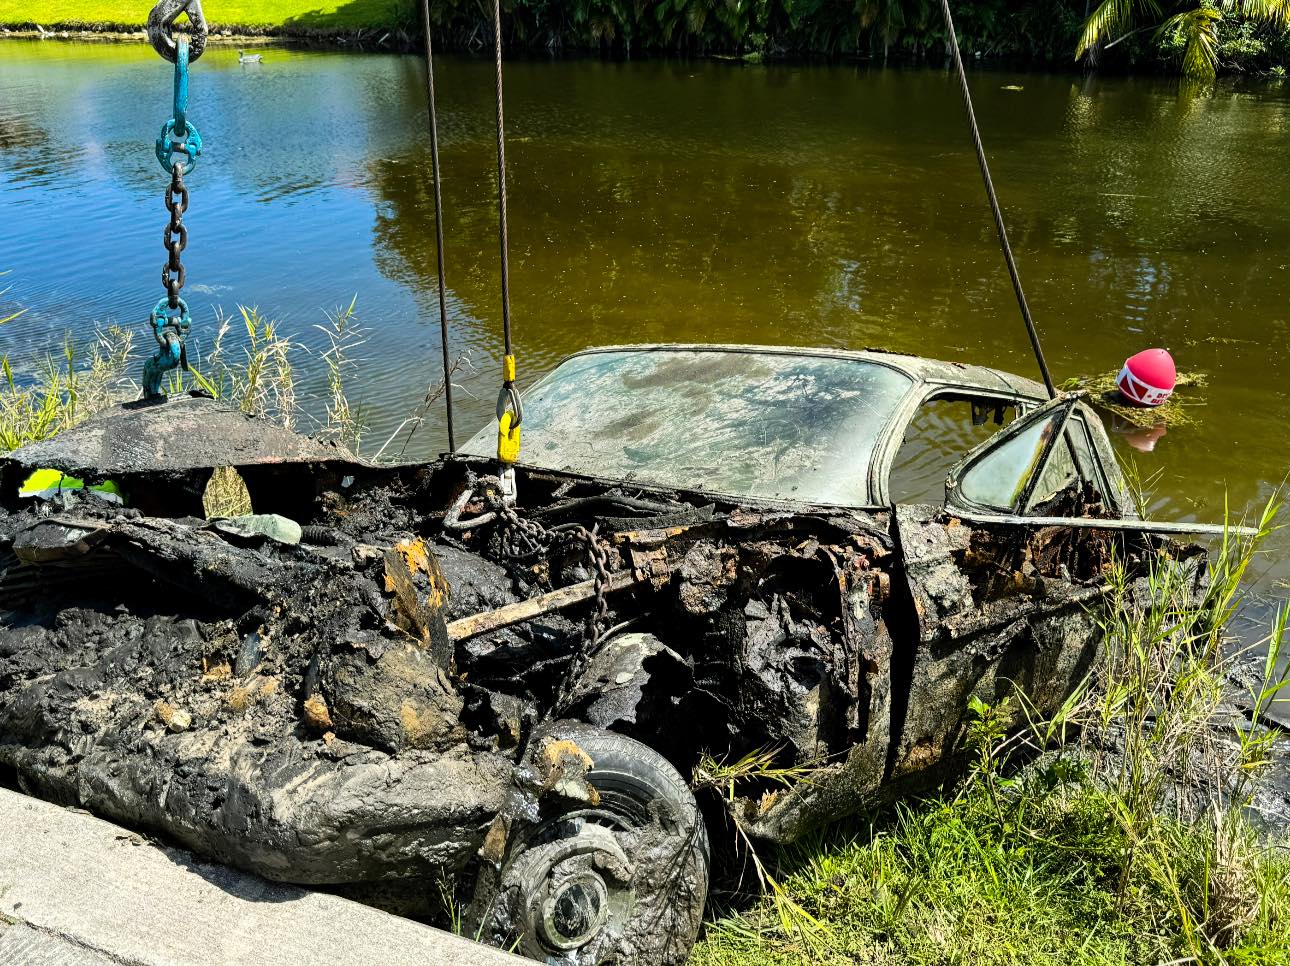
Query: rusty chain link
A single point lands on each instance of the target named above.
(524, 538)
(173, 274)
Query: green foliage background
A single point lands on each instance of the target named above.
(1039, 32)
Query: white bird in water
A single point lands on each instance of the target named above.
(249, 58)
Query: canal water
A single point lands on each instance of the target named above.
(690, 201)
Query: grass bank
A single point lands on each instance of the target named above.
(1032, 878)
(232, 15)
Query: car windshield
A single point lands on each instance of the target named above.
(745, 424)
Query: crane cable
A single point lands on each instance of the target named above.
(438, 226)
(994, 203)
(510, 408)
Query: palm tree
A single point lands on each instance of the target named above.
(1197, 26)
(889, 18)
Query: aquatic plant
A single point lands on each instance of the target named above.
(63, 390)
(260, 383)
(254, 372)
(346, 422)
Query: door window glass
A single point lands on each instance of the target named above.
(997, 479)
(943, 431)
(1059, 474)
(1086, 457)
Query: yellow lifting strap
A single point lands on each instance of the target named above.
(510, 413)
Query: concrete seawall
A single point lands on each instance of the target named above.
(79, 891)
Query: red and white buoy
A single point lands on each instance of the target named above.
(1148, 378)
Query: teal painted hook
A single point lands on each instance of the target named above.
(169, 330)
(177, 135)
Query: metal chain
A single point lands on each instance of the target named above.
(177, 149)
(598, 554)
(176, 236)
(524, 538)
(161, 21)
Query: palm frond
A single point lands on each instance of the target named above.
(1198, 27)
(1275, 13)
(1111, 16)
(1114, 17)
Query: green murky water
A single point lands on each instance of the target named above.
(654, 201)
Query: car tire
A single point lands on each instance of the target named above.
(623, 880)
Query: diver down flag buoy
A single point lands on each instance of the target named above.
(1148, 378)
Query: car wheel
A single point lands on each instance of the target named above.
(623, 880)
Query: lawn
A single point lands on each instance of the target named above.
(303, 14)
(1027, 876)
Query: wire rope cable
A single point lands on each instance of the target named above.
(438, 226)
(994, 202)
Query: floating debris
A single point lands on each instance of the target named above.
(1104, 393)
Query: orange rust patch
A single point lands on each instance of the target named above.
(317, 714)
(216, 672)
(494, 848)
(419, 589)
(556, 751)
(565, 762)
(417, 559)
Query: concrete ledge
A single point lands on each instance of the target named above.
(79, 891)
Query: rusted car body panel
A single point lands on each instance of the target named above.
(337, 712)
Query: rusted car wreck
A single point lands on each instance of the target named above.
(705, 554)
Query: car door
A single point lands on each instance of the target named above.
(1000, 578)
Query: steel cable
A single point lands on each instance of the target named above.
(994, 202)
(501, 182)
(438, 226)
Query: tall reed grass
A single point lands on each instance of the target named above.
(1121, 830)
(251, 365)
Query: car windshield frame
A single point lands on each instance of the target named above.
(732, 392)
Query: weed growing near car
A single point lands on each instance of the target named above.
(250, 365)
(62, 390)
(1128, 845)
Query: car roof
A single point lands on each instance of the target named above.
(935, 372)
(928, 378)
